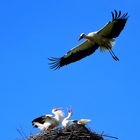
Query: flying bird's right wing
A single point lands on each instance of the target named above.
(75, 54)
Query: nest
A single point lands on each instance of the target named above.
(73, 132)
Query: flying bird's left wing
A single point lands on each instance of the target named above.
(114, 27)
(75, 54)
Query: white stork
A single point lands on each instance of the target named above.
(103, 39)
(48, 122)
(66, 122)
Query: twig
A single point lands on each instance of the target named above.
(109, 136)
(21, 134)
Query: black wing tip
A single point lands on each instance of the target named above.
(54, 63)
(118, 15)
(33, 122)
(34, 125)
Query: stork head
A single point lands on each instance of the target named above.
(81, 36)
(58, 111)
(54, 110)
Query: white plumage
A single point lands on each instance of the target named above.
(48, 122)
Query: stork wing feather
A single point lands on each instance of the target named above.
(43, 119)
(114, 27)
(75, 54)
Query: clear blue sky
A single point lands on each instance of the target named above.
(97, 87)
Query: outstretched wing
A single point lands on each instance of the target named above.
(114, 27)
(75, 54)
(42, 119)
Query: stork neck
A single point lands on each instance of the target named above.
(89, 38)
(85, 36)
(58, 117)
(69, 115)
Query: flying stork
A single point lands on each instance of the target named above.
(103, 39)
(48, 122)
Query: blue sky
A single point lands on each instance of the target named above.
(97, 87)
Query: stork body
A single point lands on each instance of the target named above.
(104, 43)
(103, 39)
(48, 122)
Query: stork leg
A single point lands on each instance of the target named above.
(113, 55)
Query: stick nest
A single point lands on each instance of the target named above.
(73, 132)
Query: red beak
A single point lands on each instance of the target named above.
(56, 109)
(70, 109)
